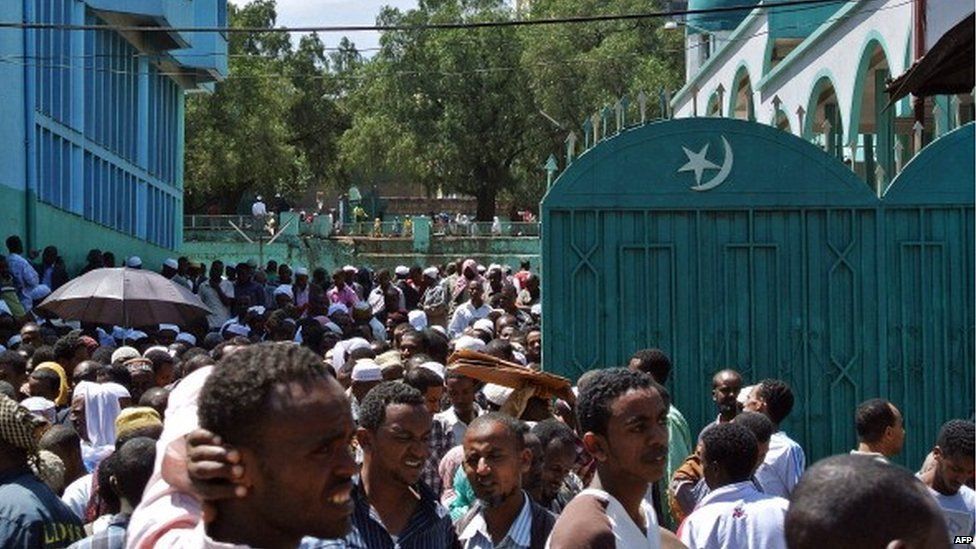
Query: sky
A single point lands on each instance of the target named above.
(305, 13)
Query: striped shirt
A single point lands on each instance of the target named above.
(519, 536)
(430, 526)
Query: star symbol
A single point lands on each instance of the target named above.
(697, 163)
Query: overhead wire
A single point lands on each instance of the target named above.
(425, 26)
(29, 60)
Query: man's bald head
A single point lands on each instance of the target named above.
(854, 501)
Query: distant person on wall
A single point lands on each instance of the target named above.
(51, 269)
(259, 209)
(24, 276)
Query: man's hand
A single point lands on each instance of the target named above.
(214, 469)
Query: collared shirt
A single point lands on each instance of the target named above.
(31, 515)
(208, 295)
(347, 296)
(782, 467)
(441, 442)
(519, 536)
(429, 527)
(378, 302)
(451, 422)
(464, 315)
(112, 537)
(25, 278)
(736, 516)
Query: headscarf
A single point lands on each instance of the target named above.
(462, 281)
(63, 390)
(101, 409)
(19, 427)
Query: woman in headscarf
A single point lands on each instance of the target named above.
(93, 411)
(459, 294)
(63, 389)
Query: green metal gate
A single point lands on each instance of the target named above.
(732, 244)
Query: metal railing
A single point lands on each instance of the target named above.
(486, 229)
(221, 222)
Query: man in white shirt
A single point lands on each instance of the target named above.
(623, 417)
(217, 293)
(880, 429)
(24, 275)
(734, 514)
(785, 459)
(853, 501)
(258, 208)
(461, 392)
(469, 311)
(946, 481)
(495, 458)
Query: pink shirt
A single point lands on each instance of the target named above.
(347, 296)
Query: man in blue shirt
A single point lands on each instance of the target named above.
(31, 515)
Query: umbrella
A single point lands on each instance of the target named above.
(125, 297)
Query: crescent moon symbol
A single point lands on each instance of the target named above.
(722, 174)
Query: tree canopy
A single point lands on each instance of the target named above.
(468, 111)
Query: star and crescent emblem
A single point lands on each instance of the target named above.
(698, 162)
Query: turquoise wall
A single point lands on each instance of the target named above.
(332, 253)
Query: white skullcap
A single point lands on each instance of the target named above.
(118, 390)
(366, 369)
(494, 267)
(124, 353)
(257, 309)
(14, 340)
(284, 289)
(155, 348)
(238, 329)
(485, 325)
(171, 263)
(187, 338)
(469, 343)
(169, 328)
(435, 367)
(133, 262)
(431, 272)
(333, 327)
(40, 406)
(497, 394)
(417, 319)
(301, 271)
(481, 269)
(537, 309)
(401, 270)
(350, 269)
(337, 307)
(439, 329)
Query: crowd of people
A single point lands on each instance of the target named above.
(326, 410)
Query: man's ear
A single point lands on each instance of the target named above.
(113, 483)
(596, 445)
(365, 439)
(249, 463)
(525, 460)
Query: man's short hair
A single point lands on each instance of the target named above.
(515, 427)
(236, 395)
(158, 357)
(654, 362)
(14, 244)
(733, 447)
(856, 501)
(603, 388)
(778, 398)
(550, 430)
(956, 438)
(65, 347)
(761, 426)
(372, 410)
(422, 379)
(60, 437)
(133, 466)
(15, 360)
(872, 418)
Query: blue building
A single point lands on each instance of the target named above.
(91, 155)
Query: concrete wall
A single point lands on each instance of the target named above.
(331, 253)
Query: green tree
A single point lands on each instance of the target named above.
(577, 69)
(451, 108)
